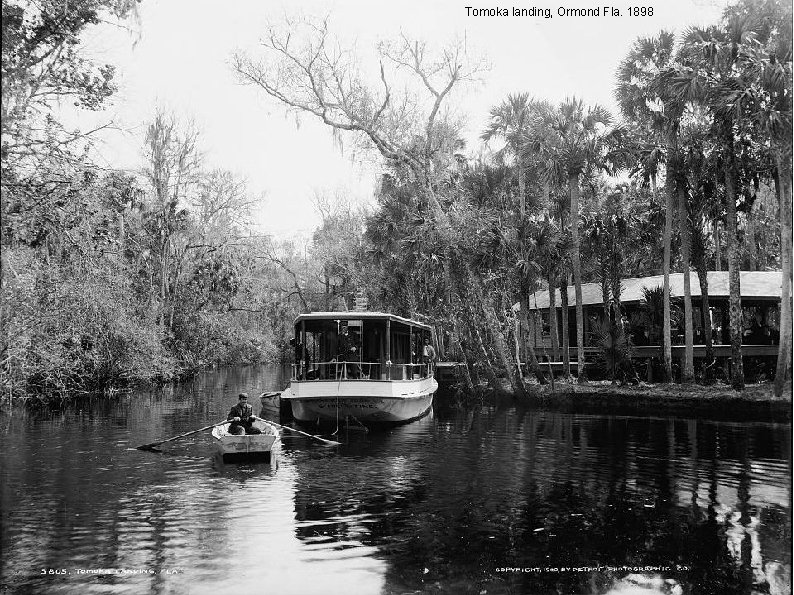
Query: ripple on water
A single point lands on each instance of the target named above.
(437, 504)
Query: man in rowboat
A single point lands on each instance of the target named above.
(242, 417)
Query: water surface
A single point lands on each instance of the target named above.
(495, 499)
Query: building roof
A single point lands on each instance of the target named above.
(356, 315)
(754, 285)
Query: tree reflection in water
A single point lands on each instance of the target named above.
(446, 504)
(706, 504)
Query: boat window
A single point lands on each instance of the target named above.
(334, 349)
(340, 348)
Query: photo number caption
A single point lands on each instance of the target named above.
(113, 571)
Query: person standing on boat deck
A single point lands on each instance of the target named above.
(428, 355)
(242, 417)
(348, 352)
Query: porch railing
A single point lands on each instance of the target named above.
(345, 370)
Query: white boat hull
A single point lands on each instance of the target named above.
(233, 447)
(368, 401)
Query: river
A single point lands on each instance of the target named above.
(494, 499)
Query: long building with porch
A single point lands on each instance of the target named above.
(760, 293)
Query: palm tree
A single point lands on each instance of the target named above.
(710, 73)
(582, 137)
(768, 65)
(510, 121)
(688, 370)
(701, 165)
(642, 99)
(550, 256)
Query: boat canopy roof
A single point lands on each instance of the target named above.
(361, 316)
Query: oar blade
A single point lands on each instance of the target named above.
(150, 447)
(323, 440)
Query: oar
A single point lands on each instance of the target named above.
(328, 442)
(151, 445)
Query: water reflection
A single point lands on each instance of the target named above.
(497, 499)
(502, 500)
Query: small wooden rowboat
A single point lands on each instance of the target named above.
(246, 447)
(273, 407)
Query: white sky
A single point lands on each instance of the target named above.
(181, 62)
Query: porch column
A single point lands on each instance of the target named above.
(303, 349)
(388, 349)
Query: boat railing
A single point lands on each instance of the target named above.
(344, 370)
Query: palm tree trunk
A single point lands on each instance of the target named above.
(532, 359)
(490, 372)
(610, 326)
(751, 249)
(502, 351)
(734, 260)
(461, 276)
(688, 372)
(566, 333)
(783, 372)
(700, 263)
(555, 341)
(717, 251)
(667, 350)
(573, 186)
(522, 189)
(465, 371)
(705, 309)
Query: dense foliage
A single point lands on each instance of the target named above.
(704, 138)
(109, 277)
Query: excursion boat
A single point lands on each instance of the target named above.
(246, 447)
(362, 367)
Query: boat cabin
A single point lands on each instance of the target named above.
(359, 346)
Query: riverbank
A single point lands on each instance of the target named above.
(718, 401)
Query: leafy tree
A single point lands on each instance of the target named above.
(711, 74)
(582, 141)
(510, 121)
(42, 64)
(646, 101)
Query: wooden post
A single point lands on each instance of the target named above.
(411, 345)
(410, 352)
(303, 348)
(388, 349)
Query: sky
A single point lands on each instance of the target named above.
(179, 57)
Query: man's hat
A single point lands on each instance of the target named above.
(242, 396)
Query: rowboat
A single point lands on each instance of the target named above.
(359, 367)
(273, 407)
(238, 447)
